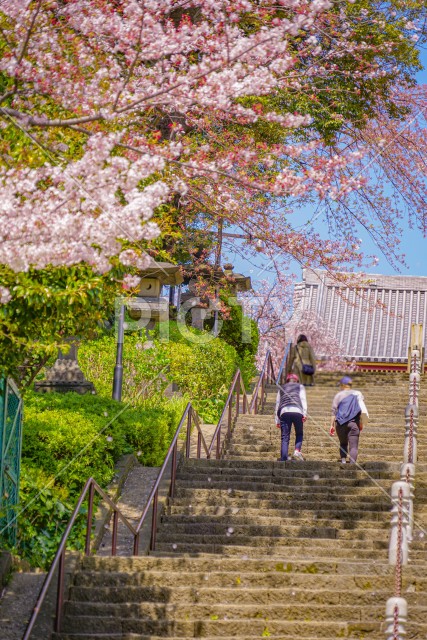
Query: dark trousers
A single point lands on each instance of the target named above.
(286, 422)
(348, 435)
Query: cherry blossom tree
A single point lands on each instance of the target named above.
(102, 96)
(114, 112)
(270, 306)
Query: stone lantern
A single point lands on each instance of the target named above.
(148, 305)
(198, 307)
(237, 281)
(65, 375)
(201, 308)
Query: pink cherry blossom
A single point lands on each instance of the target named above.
(5, 295)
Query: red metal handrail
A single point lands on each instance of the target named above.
(59, 560)
(266, 376)
(237, 387)
(189, 415)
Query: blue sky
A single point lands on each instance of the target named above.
(413, 245)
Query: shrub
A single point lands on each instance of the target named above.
(203, 372)
(70, 437)
(43, 514)
(73, 437)
(236, 328)
(143, 369)
(66, 439)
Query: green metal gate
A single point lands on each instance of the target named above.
(10, 457)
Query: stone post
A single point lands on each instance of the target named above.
(65, 375)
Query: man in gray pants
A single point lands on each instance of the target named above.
(347, 408)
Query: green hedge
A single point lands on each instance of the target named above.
(43, 513)
(66, 439)
(203, 367)
(203, 373)
(144, 370)
(78, 436)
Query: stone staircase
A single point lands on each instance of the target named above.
(251, 547)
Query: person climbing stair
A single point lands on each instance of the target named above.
(291, 409)
(348, 406)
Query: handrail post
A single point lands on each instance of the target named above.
(188, 439)
(89, 518)
(230, 417)
(245, 400)
(411, 428)
(154, 522)
(262, 392)
(407, 474)
(60, 593)
(398, 549)
(237, 397)
(396, 615)
(218, 444)
(199, 443)
(114, 534)
(136, 544)
(173, 471)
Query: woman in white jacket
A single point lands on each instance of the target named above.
(291, 409)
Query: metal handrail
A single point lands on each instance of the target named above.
(237, 387)
(266, 375)
(189, 415)
(284, 364)
(59, 560)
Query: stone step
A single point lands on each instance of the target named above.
(282, 550)
(372, 468)
(250, 573)
(289, 552)
(197, 611)
(274, 516)
(277, 492)
(229, 627)
(256, 430)
(216, 541)
(243, 523)
(132, 636)
(285, 481)
(315, 508)
(296, 471)
(240, 593)
(320, 422)
(315, 455)
(368, 446)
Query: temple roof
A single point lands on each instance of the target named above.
(372, 321)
